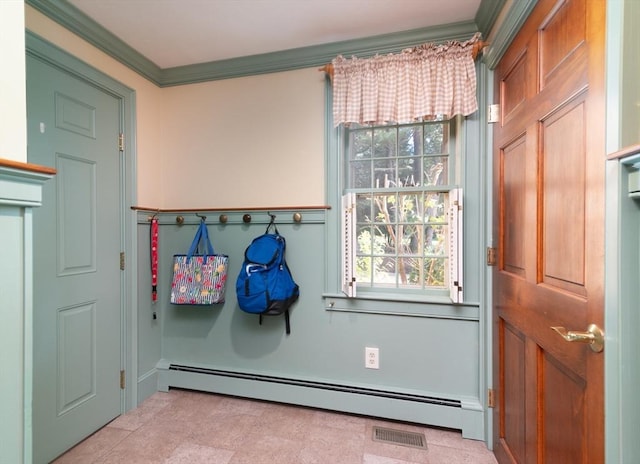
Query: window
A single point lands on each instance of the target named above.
(401, 210)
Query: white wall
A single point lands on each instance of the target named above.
(13, 107)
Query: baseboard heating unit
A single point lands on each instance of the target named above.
(320, 385)
(463, 414)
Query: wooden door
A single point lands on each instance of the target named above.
(77, 343)
(549, 160)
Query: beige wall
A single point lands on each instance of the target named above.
(253, 141)
(13, 108)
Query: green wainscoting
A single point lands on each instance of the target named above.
(429, 358)
(20, 191)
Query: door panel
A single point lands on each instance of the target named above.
(549, 192)
(513, 356)
(562, 188)
(74, 127)
(76, 225)
(76, 353)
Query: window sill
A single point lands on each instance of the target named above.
(398, 305)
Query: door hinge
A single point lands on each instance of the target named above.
(491, 256)
(122, 380)
(493, 113)
(121, 142)
(122, 260)
(491, 398)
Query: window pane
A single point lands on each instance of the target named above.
(361, 174)
(436, 170)
(363, 270)
(384, 142)
(410, 275)
(436, 139)
(360, 144)
(408, 172)
(385, 239)
(384, 271)
(411, 239)
(434, 272)
(435, 240)
(363, 240)
(385, 173)
(384, 207)
(410, 141)
(434, 207)
(408, 207)
(363, 208)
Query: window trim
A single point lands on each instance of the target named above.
(335, 173)
(453, 286)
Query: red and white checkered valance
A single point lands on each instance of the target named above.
(416, 84)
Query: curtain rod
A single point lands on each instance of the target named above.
(478, 47)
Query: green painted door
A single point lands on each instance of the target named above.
(74, 126)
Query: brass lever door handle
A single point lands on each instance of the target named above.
(594, 336)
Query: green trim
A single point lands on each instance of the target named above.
(77, 22)
(397, 305)
(488, 14)
(22, 188)
(622, 249)
(317, 55)
(334, 172)
(516, 16)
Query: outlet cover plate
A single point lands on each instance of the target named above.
(372, 358)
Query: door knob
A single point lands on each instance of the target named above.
(594, 336)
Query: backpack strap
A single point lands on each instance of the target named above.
(281, 262)
(272, 223)
(286, 321)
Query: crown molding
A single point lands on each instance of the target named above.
(86, 28)
(82, 25)
(487, 15)
(514, 19)
(317, 55)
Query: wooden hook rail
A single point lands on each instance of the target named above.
(223, 217)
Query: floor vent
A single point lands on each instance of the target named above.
(399, 437)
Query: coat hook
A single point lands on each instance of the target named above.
(179, 220)
(272, 221)
(297, 217)
(246, 218)
(204, 218)
(223, 218)
(155, 215)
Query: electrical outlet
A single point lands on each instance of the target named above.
(371, 358)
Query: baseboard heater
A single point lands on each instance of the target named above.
(320, 385)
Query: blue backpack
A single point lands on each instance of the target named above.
(265, 285)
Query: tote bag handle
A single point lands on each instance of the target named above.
(202, 234)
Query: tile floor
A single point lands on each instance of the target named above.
(187, 427)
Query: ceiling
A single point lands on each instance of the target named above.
(172, 33)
